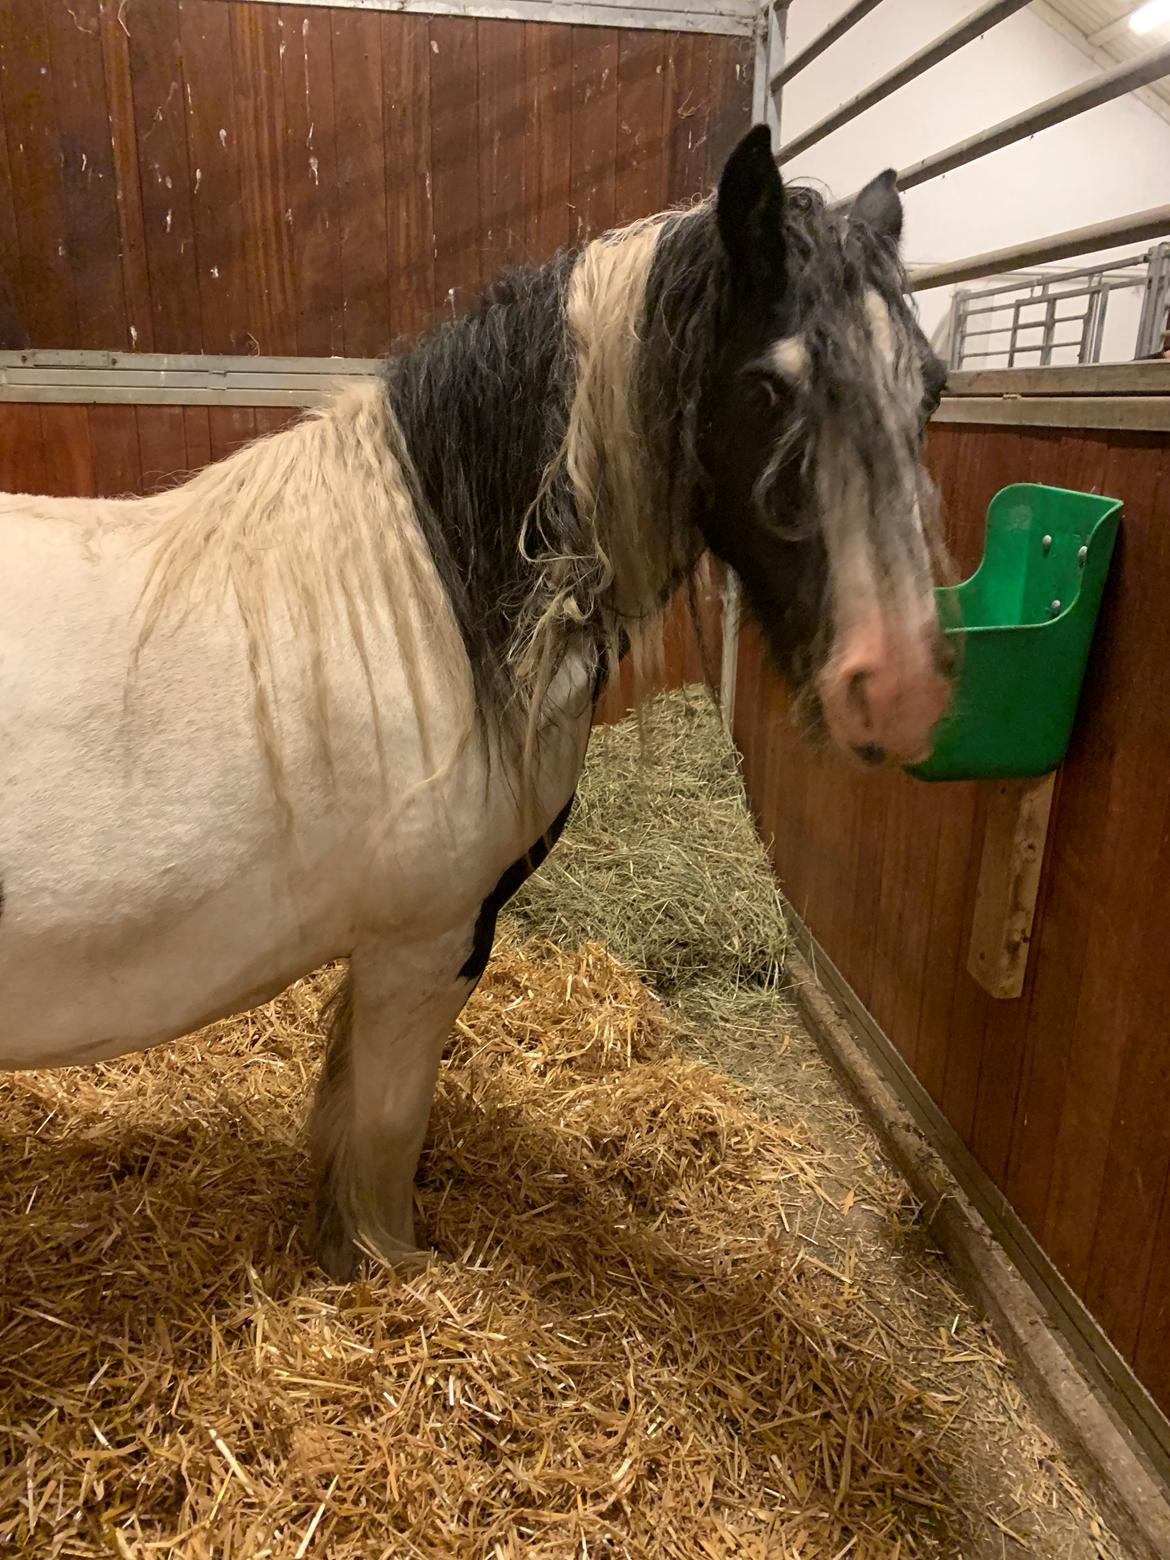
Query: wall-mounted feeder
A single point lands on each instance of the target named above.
(1026, 619)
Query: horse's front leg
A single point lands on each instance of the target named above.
(390, 1022)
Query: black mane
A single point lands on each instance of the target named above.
(483, 403)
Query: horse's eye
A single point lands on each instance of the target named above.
(764, 390)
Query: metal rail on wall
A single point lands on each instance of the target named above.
(973, 26)
(1151, 66)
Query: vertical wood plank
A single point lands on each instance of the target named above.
(967, 1024)
(160, 118)
(311, 170)
(1117, 743)
(26, 82)
(454, 161)
(115, 41)
(594, 130)
(87, 174)
(1008, 885)
(162, 446)
(1123, 1040)
(730, 100)
(258, 51)
(640, 182)
(1129, 1273)
(927, 807)
(197, 432)
(1151, 1352)
(117, 464)
(68, 463)
(502, 119)
(230, 428)
(213, 92)
(686, 115)
(997, 1104)
(406, 74)
(13, 331)
(275, 419)
(310, 162)
(548, 51)
(22, 448)
(361, 180)
(868, 847)
(953, 870)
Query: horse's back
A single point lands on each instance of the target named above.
(144, 878)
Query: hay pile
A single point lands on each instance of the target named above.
(661, 860)
(623, 1355)
(656, 1327)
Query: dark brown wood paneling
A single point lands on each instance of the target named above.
(49, 287)
(195, 175)
(688, 67)
(197, 431)
(138, 332)
(361, 180)
(1059, 1094)
(213, 141)
(117, 464)
(259, 46)
(89, 189)
(12, 326)
(594, 130)
(641, 174)
(406, 74)
(22, 465)
(548, 215)
(502, 118)
(68, 455)
(311, 171)
(160, 119)
(729, 89)
(455, 160)
(162, 446)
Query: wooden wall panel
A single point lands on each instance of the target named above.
(120, 451)
(1061, 1094)
(228, 176)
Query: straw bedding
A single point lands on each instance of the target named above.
(640, 1337)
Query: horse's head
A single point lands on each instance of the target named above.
(813, 423)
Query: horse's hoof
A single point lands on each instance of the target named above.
(335, 1249)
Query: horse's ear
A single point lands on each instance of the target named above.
(879, 206)
(750, 209)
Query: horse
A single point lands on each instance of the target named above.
(329, 698)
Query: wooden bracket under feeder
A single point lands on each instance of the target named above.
(1009, 880)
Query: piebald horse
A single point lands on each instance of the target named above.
(331, 696)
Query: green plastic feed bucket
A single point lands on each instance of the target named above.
(1026, 619)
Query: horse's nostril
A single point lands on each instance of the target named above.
(858, 694)
(946, 657)
(871, 753)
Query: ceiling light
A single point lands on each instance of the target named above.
(1155, 13)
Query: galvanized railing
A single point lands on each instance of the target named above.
(1137, 227)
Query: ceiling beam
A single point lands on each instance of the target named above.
(1117, 26)
(1103, 57)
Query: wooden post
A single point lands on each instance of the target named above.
(1009, 879)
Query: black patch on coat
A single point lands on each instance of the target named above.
(510, 880)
